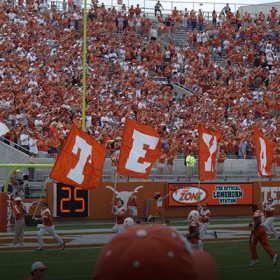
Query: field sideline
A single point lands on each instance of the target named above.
(230, 252)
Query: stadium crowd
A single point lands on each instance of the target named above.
(231, 64)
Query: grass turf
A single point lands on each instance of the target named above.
(110, 225)
(231, 258)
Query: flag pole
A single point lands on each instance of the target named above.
(39, 201)
(198, 196)
(198, 179)
(84, 67)
(260, 187)
(114, 192)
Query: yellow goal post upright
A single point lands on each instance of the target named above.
(15, 166)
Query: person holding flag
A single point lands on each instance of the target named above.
(193, 231)
(119, 212)
(159, 206)
(47, 226)
(258, 234)
(205, 214)
(268, 209)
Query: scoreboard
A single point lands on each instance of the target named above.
(69, 201)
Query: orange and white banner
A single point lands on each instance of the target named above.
(80, 162)
(141, 147)
(264, 153)
(207, 152)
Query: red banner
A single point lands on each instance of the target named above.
(140, 149)
(80, 162)
(264, 153)
(207, 151)
(212, 194)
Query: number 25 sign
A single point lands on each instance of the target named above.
(80, 162)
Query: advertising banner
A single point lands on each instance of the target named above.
(211, 193)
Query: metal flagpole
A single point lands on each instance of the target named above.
(40, 199)
(114, 192)
(198, 196)
(261, 198)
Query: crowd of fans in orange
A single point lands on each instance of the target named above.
(231, 65)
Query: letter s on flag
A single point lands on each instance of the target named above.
(264, 153)
(80, 162)
(141, 147)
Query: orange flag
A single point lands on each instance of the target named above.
(264, 153)
(141, 147)
(207, 152)
(80, 162)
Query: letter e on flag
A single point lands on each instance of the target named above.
(141, 147)
(80, 162)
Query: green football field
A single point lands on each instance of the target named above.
(231, 257)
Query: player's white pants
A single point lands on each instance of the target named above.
(132, 211)
(204, 231)
(118, 228)
(198, 246)
(268, 223)
(43, 230)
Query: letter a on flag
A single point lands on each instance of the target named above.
(207, 152)
(141, 147)
(80, 162)
(264, 153)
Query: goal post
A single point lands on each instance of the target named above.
(15, 166)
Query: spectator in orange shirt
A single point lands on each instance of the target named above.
(54, 145)
(137, 10)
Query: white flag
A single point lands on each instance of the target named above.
(3, 129)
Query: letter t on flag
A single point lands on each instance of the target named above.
(207, 152)
(80, 162)
(141, 147)
(264, 153)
